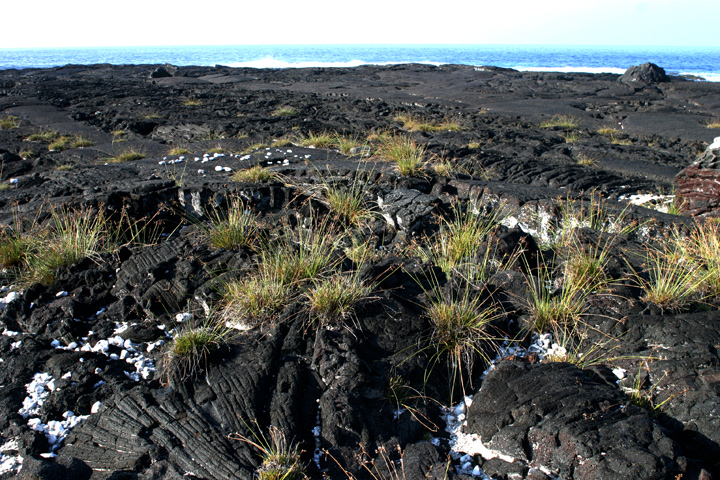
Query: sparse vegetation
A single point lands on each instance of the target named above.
(254, 174)
(563, 121)
(672, 280)
(300, 254)
(236, 227)
(72, 236)
(318, 140)
(192, 102)
(253, 147)
(586, 160)
(127, 156)
(713, 123)
(178, 151)
(333, 298)
(407, 155)
(44, 136)
(280, 459)
(609, 131)
(412, 123)
(284, 112)
(254, 299)
(9, 122)
(191, 349)
(618, 139)
(571, 137)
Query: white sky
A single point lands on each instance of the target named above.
(70, 23)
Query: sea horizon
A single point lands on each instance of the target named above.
(702, 62)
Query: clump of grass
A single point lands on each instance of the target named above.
(150, 116)
(347, 202)
(60, 144)
(178, 151)
(703, 245)
(583, 214)
(254, 299)
(282, 142)
(673, 280)
(360, 251)
(280, 459)
(563, 121)
(119, 135)
(609, 131)
(66, 142)
(9, 122)
(192, 102)
(345, 144)
(26, 153)
(571, 344)
(16, 244)
(571, 137)
(473, 145)
(461, 322)
(253, 147)
(217, 149)
(80, 142)
(253, 174)
(617, 139)
(413, 123)
(65, 167)
(407, 155)
(127, 156)
(586, 160)
(334, 298)
(235, 228)
(552, 307)
(191, 349)
(284, 112)
(461, 244)
(585, 264)
(44, 136)
(713, 123)
(73, 236)
(299, 255)
(319, 140)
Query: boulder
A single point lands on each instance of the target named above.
(647, 73)
(406, 209)
(165, 71)
(553, 417)
(698, 185)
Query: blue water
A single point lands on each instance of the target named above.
(701, 61)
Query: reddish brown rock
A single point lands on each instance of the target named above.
(698, 185)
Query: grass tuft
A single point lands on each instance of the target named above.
(191, 349)
(253, 174)
(44, 136)
(564, 121)
(334, 298)
(284, 112)
(319, 140)
(178, 151)
(280, 459)
(192, 102)
(9, 122)
(571, 137)
(416, 124)
(235, 228)
(127, 156)
(73, 235)
(713, 123)
(254, 299)
(586, 160)
(407, 155)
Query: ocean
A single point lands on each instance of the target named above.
(703, 62)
